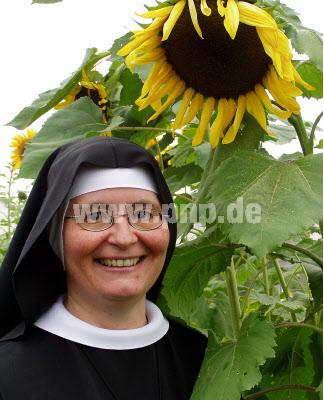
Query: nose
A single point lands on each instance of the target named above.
(121, 234)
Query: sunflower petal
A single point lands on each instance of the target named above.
(173, 18)
(233, 129)
(232, 18)
(280, 97)
(206, 114)
(255, 108)
(130, 46)
(158, 95)
(263, 96)
(151, 77)
(255, 16)
(194, 107)
(216, 130)
(204, 8)
(194, 17)
(160, 12)
(179, 88)
(231, 109)
(187, 96)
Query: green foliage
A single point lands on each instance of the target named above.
(12, 202)
(51, 98)
(231, 367)
(268, 184)
(66, 125)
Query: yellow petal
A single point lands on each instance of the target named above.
(280, 97)
(263, 96)
(194, 18)
(179, 88)
(130, 46)
(216, 130)
(232, 18)
(160, 12)
(233, 129)
(231, 109)
(206, 114)
(158, 95)
(300, 80)
(149, 44)
(194, 107)
(173, 18)
(255, 108)
(151, 78)
(187, 96)
(255, 16)
(204, 8)
(220, 8)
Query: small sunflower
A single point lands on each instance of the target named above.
(96, 91)
(18, 143)
(223, 58)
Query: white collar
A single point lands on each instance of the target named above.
(59, 321)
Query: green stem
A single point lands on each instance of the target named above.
(297, 324)
(306, 252)
(297, 122)
(283, 285)
(266, 278)
(259, 394)
(312, 134)
(232, 291)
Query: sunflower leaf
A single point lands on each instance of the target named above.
(230, 368)
(179, 177)
(67, 125)
(188, 273)
(312, 75)
(293, 364)
(265, 200)
(47, 100)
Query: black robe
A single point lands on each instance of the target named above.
(41, 365)
(36, 364)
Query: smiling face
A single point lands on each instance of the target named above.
(89, 255)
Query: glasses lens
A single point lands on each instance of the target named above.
(97, 221)
(145, 219)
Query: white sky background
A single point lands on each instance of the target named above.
(42, 44)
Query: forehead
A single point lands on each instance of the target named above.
(118, 195)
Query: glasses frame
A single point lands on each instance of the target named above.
(113, 221)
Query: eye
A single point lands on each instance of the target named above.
(142, 214)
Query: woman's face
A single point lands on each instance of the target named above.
(88, 254)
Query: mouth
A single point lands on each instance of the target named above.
(121, 263)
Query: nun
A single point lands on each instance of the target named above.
(80, 278)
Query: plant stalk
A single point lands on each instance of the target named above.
(259, 394)
(297, 122)
(306, 252)
(232, 291)
(283, 285)
(298, 324)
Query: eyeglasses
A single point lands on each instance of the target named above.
(92, 219)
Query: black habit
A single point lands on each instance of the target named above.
(37, 364)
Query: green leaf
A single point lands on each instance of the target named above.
(179, 177)
(47, 100)
(265, 200)
(232, 367)
(118, 44)
(192, 265)
(132, 86)
(67, 125)
(314, 77)
(293, 365)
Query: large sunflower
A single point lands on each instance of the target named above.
(18, 143)
(95, 90)
(223, 58)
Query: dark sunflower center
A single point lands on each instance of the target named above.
(216, 65)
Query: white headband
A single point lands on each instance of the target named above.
(92, 178)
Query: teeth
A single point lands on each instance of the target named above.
(119, 262)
